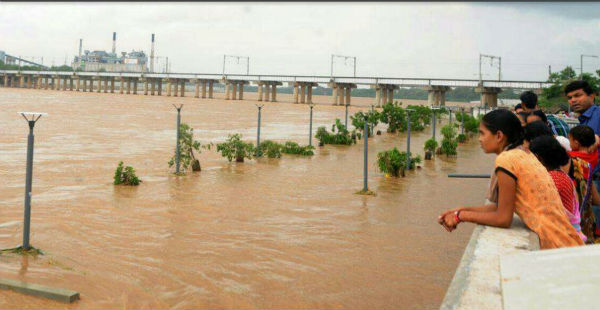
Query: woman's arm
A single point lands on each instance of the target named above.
(501, 216)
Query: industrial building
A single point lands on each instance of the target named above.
(134, 61)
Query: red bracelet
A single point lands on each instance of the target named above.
(457, 217)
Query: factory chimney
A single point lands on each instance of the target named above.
(152, 55)
(80, 44)
(114, 42)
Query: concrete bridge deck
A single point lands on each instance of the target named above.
(267, 84)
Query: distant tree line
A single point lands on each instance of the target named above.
(553, 97)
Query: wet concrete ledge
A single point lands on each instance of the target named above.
(39, 290)
(476, 283)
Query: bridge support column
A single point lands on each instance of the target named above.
(196, 89)
(489, 96)
(210, 89)
(91, 84)
(5, 80)
(302, 93)
(340, 95)
(65, 83)
(77, 83)
(28, 82)
(203, 89)
(436, 95)
(122, 86)
(99, 90)
(56, 79)
(296, 86)
(168, 88)
(378, 97)
(71, 84)
(241, 95)
(112, 85)
(182, 94)
(135, 86)
(145, 81)
(174, 87)
(152, 86)
(309, 87)
(105, 80)
(227, 86)
(260, 92)
(21, 82)
(274, 93)
(128, 86)
(267, 92)
(391, 95)
(159, 86)
(334, 94)
(234, 91)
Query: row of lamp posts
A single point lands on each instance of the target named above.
(35, 116)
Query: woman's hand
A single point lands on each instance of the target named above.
(450, 221)
(449, 225)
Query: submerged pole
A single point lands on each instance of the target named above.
(408, 140)
(177, 151)
(365, 187)
(346, 122)
(28, 177)
(310, 127)
(258, 153)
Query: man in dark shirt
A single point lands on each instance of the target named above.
(581, 99)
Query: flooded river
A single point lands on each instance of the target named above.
(266, 234)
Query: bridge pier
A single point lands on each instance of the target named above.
(489, 96)
(183, 81)
(91, 84)
(267, 92)
(436, 95)
(145, 81)
(196, 89)
(341, 92)
(241, 94)
(152, 86)
(135, 86)
(210, 89)
(234, 91)
(168, 88)
(99, 90)
(260, 92)
(105, 80)
(64, 88)
(158, 86)
(57, 82)
(384, 93)
(203, 89)
(174, 87)
(112, 85)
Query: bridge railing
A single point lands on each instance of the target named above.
(408, 82)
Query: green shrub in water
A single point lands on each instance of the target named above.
(234, 147)
(291, 147)
(393, 162)
(125, 176)
(449, 143)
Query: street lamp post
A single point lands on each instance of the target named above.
(177, 150)
(258, 153)
(34, 116)
(310, 127)
(365, 166)
(408, 138)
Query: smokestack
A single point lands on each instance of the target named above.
(114, 42)
(152, 55)
(80, 45)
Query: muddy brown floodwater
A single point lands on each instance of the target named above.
(265, 234)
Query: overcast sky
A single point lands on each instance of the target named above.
(435, 40)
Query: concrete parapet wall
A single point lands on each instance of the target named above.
(476, 283)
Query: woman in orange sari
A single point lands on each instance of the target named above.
(524, 186)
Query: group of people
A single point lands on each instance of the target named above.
(545, 172)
